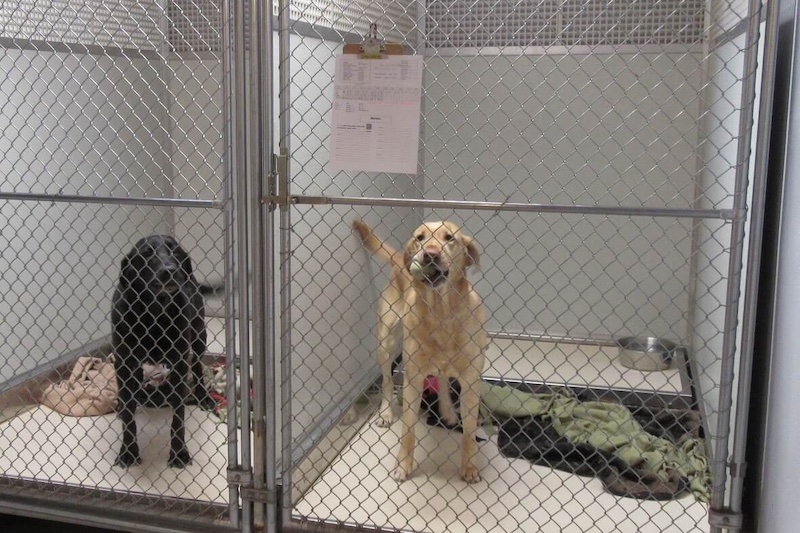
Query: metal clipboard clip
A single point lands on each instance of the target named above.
(373, 47)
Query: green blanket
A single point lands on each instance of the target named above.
(609, 427)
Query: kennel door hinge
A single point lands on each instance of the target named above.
(725, 519)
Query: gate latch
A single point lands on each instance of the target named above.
(259, 495)
(242, 478)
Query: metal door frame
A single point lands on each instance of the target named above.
(745, 216)
(80, 505)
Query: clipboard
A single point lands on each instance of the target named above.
(375, 116)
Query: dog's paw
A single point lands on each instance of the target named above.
(385, 418)
(361, 227)
(128, 456)
(401, 473)
(470, 474)
(180, 458)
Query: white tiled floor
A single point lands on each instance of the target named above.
(41, 444)
(44, 445)
(513, 495)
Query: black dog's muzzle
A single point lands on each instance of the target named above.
(169, 278)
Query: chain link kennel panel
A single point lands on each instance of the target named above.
(597, 152)
(113, 127)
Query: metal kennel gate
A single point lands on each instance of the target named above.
(599, 152)
(117, 120)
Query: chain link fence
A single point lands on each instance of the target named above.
(597, 152)
(112, 128)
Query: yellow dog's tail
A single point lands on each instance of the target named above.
(376, 246)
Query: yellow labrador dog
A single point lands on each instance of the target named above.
(442, 331)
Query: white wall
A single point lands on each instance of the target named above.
(776, 486)
(75, 124)
(334, 316)
(138, 127)
(197, 149)
(333, 299)
(717, 181)
(781, 461)
(570, 129)
(334, 284)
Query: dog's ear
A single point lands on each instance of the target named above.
(473, 255)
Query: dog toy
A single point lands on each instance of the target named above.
(431, 384)
(420, 271)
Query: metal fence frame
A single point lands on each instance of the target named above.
(91, 506)
(258, 206)
(743, 216)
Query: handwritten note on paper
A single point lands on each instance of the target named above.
(376, 114)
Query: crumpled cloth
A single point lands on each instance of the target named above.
(90, 390)
(215, 379)
(609, 428)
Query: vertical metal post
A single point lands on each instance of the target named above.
(231, 162)
(284, 181)
(719, 474)
(753, 263)
(242, 168)
(268, 214)
(258, 176)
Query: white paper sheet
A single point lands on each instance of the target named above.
(375, 120)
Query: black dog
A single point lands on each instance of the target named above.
(158, 317)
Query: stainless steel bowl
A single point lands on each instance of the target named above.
(646, 353)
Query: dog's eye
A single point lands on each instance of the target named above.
(420, 237)
(448, 237)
